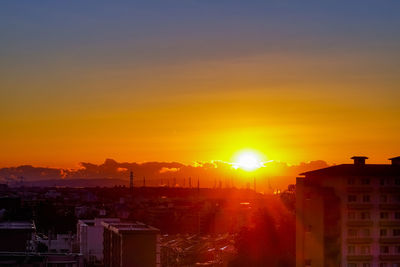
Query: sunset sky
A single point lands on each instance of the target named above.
(198, 81)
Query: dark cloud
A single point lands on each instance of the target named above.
(275, 175)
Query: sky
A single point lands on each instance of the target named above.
(189, 81)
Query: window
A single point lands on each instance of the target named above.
(384, 249)
(351, 249)
(352, 198)
(383, 198)
(383, 264)
(384, 215)
(396, 198)
(365, 181)
(382, 181)
(308, 228)
(352, 232)
(366, 264)
(307, 263)
(351, 264)
(397, 249)
(365, 215)
(366, 232)
(397, 181)
(397, 215)
(366, 198)
(365, 250)
(383, 232)
(351, 215)
(351, 181)
(396, 232)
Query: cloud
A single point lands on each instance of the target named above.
(274, 174)
(165, 169)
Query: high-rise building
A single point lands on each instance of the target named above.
(130, 245)
(349, 215)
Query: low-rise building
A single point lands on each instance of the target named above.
(16, 236)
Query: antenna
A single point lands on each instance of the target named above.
(131, 180)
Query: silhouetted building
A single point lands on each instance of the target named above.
(27, 259)
(130, 245)
(16, 236)
(349, 215)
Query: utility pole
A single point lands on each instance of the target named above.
(144, 181)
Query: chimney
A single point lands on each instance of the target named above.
(359, 160)
(395, 161)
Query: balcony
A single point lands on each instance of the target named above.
(360, 189)
(389, 206)
(389, 257)
(389, 240)
(359, 240)
(390, 223)
(359, 257)
(360, 223)
(389, 189)
(359, 206)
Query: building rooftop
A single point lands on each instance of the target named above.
(97, 221)
(130, 228)
(357, 170)
(17, 225)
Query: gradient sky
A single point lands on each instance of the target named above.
(198, 80)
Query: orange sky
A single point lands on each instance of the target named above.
(294, 92)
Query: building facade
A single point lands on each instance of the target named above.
(130, 245)
(349, 215)
(90, 238)
(17, 236)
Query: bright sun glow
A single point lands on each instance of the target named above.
(248, 161)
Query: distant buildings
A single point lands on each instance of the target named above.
(130, 245)
(90, 238)
(349, 215)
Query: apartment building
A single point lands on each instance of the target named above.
(131, 244)
(90, 238)
(349, 215)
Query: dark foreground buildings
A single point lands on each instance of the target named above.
(131, 244)
(349, 215)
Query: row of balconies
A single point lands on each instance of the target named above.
(385, 223)
(368, 206)
(371, 257)
(369, 240)
(369, 189)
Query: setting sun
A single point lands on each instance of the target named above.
(248, 161)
